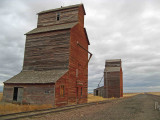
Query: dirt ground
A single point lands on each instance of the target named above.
(138, 107)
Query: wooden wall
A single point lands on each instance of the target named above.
(113, 84)
(47, 51)
(81, 16)
(62, 100)
(113, 79)
(78, 61)
(33, 93)
(66, 16)
(121, 83)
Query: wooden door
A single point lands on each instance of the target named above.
(20, 95)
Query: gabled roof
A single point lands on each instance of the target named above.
(52, 28)
(33, 77)
(63, 8)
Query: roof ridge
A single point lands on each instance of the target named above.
(61, 8)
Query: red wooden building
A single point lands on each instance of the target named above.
(55, 69)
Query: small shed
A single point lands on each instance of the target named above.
(99, 91)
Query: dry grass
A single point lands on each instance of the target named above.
(1, 94)
(154, 93)
(129, 94)
(92, 98)
(7, 108)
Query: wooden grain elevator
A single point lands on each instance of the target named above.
(55, 68)
(113, 80)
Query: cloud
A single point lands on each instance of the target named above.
(123, 29)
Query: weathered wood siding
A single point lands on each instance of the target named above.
(32, 93)
(121, 83)
(99, 91)
(81, 16)
(47, 51)
(113, 80)
(62, 100)
(50, 18)
(78, 61)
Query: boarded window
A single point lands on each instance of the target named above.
(62, 90)
(58, 16)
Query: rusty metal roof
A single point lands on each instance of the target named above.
(52, 28)
(62, 8)
(33, 77)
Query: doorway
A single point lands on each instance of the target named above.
(18, 94)
(96, 92)
(15, 93)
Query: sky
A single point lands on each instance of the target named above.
(117, 29)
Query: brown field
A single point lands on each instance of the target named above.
(154, 93)
(130, 94)
(92, 98)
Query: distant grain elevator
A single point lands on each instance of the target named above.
(113, 80)
(55, 69)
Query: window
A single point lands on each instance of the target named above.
(58, 16)
(47, 91)
(62, 90)
(81, 91)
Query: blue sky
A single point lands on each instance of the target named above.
(117, 29)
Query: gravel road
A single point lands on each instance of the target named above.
(139, 107)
